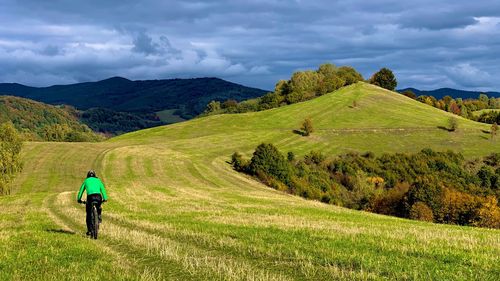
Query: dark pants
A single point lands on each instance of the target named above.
(93, 198)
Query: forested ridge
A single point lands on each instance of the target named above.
(41, 122)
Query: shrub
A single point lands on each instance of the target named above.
(307, 127)
(238, 162)
(420, 211)
(494, 130)
(453, 124)
(314, 157)
(269, 160)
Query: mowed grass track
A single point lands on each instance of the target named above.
(177, 211)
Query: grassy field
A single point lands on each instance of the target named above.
(177, 210)
(478, 113)
(169, 117)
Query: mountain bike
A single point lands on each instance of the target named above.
(94, 220)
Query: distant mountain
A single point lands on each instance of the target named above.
(440, 93)
(39, 121)
(188, 96)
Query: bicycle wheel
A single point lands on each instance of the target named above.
(95, 222)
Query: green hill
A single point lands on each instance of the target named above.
(39, 121)
(178, 211)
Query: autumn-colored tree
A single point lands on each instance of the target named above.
(420, 211)
(440, 104)
(307, 127)
(230, 103)
(458, 207)
(409, 94)
(453, 108)
(390, 202)
(489, 214)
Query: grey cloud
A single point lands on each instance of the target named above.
(470, 76)
(427, 43)
(51, 50)
(144, 44)
(437, 21)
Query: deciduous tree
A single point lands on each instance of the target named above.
(384, 78)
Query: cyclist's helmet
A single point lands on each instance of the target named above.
(91, 174)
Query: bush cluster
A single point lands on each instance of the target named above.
(432, 186)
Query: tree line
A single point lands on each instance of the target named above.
(441, 187)
(10, 162)
(302, 86)
(464, 107)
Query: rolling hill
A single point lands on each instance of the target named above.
(190, 96)
(36, 119)
(178, 211)
(454, 93)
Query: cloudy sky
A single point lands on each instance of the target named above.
(428, 44)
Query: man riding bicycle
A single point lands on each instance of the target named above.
(95, 193)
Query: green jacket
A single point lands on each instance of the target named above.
(93, 186)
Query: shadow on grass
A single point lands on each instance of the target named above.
(60, 230)
(299, 132)
(446, 129)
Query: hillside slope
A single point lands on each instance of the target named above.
(35, 119)
(120, 94)
(178, 211)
